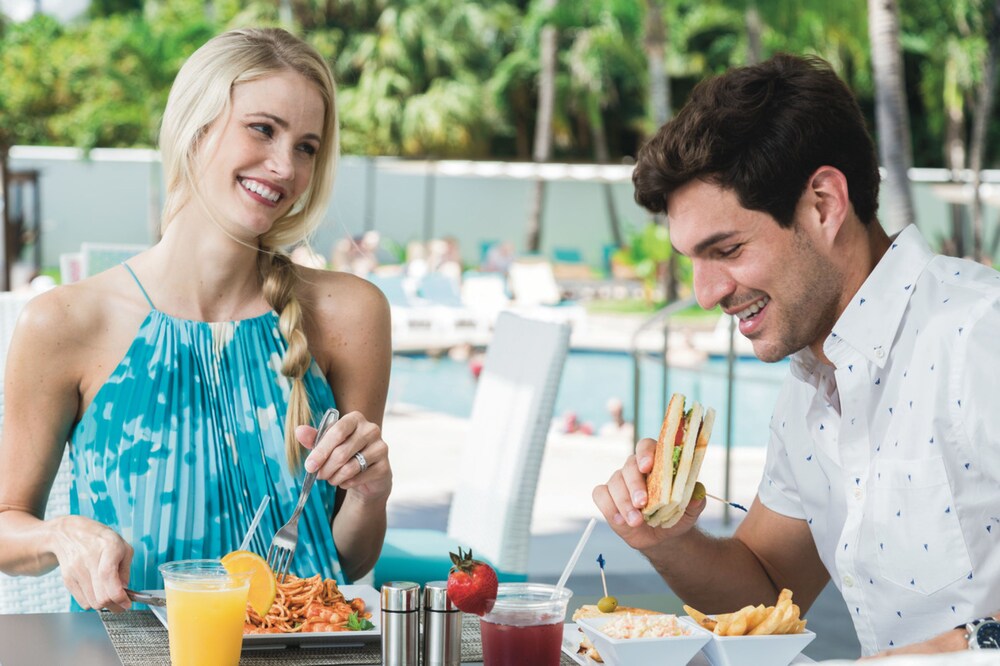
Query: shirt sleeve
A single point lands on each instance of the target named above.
(974, 392)
(778, 490)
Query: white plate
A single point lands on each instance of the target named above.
(571, 642)
(314, 639)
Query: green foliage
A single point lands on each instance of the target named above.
(458, 78)
(27, 78)
(647, 251)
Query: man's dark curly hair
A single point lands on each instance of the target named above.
(761, 131)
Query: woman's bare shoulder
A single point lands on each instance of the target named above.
(76, 311)
(343, 314)
(334, 295)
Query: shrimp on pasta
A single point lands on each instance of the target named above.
(306, 605)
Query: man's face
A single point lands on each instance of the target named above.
(781, 286)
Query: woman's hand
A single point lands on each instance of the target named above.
(334, 457)
(94, 561)
(623, 497)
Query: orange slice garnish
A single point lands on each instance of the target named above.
(263, 586)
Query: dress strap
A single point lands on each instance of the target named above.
(141, 288)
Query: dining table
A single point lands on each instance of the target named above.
(136, 637)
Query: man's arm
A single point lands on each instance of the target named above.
(769, 551)
(953, 640)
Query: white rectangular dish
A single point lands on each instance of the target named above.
(333, 639)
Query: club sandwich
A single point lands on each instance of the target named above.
(680, 451)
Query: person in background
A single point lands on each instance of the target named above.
(617, 425)
(883, 465)
(304, 255)
(499, 258)
(187, 380)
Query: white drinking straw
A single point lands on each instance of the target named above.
(574, 557)
(255, 522)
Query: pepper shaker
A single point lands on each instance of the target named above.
(442, 627)
(400, 623)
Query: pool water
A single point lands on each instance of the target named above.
(590, 379)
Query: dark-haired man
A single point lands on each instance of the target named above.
(883, 466)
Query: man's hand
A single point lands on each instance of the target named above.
(623, 497)
(950, 641)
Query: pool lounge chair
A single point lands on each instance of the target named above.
(428, 313)
(32, 594)
(491, 508)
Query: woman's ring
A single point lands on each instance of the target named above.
(360, 457)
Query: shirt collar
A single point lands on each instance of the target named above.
(872, 318)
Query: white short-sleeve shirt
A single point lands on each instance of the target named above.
(892, 457)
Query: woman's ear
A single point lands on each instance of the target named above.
(829, 200)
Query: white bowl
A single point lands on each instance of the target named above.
(670, 651)
(775, 650)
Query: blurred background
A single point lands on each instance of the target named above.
(487, 151)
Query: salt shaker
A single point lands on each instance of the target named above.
(400, 623)
(442, 627)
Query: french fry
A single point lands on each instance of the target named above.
(788, 620)
(695, 614)
(782, 618)
(756, 617)
(773, 620)
(738, 625)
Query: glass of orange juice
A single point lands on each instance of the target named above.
(206, 606)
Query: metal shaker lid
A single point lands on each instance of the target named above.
(436, 596)
(400, 596)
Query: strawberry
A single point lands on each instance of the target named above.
(472, 585)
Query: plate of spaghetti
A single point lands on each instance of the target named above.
(311, 611)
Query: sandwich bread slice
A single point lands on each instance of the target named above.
(680, 451)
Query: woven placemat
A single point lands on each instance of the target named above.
(141, 640)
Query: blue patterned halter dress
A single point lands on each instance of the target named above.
(186, 437)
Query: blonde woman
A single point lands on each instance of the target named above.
(187, 380)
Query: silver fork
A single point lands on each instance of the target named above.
(279, 555)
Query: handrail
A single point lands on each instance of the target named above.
(661, 315)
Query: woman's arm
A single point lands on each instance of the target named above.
(350, 337)
(42, 400)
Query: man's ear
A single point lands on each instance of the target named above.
(829, 205)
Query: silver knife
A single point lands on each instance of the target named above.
(146, 598)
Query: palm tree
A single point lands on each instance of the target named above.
(892, 117)
(980, 117)
(548, 40)
(416, 85)
(601, 60)
(655, 47)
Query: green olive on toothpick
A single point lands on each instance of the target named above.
(607, 604)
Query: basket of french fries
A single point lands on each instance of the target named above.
(755, 635)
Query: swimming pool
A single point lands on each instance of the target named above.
(591, 378)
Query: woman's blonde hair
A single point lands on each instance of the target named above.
(202, 94)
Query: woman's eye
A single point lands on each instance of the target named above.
(263, 128)
(308, 149)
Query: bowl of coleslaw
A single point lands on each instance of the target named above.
(644, 640)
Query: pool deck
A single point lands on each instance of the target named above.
(424, 450)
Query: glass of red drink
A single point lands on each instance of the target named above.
(525, 625)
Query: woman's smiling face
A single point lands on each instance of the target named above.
(262, 153)
(784, 290)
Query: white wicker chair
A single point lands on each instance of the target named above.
(491, 509)
(29, 594)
